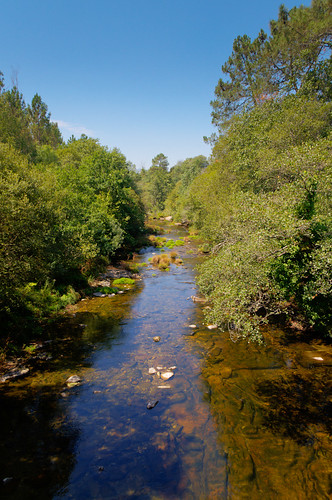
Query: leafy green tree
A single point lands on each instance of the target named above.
(14, 128)
(247, 81)
(42, 129)
(274, 66)
(160, 161)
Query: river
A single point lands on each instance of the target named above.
(235, 420)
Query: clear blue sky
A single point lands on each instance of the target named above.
(137, 74)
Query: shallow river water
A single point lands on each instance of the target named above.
(234, 421)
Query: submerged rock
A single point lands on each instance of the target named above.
(13, 374)
(152, 371)
(157, 339)
(212, 327)
(151, 404)
(167, 375)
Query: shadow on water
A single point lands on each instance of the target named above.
(297, 403)
(37, 444)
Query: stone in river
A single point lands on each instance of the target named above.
(152, 371)
(156, 339)
(73, 380)
(225, 372)
(192, 326)
(212, 327)
(167, 375)
(151, 404)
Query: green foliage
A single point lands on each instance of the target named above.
(154, 184)
(124, 281)
(270, 67)
(182, 175)
(106, 290)
(265, 207)
(46, 300)
(65, 210)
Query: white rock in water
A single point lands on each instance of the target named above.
(163, 387)
(74, 379)
(160, 368)
(212, 327)
(192, 326)
(172, 368)
(318, 358)
(167, 375)
(152, 371)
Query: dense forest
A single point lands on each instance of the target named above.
(261, 202)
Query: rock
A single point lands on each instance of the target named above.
(98, 294)
(7, 480)
(152, 371)
(167, 375)
(225, 372)
(192, 326)
(151, 404)
(73, 380)
(169, 218)
(172, 368)
(164, 386)
(212, 327)
(197, 299)
(156, 339)
(13, 374)
(319, 357)
(160, 368)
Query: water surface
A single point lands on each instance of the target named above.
(235, 420)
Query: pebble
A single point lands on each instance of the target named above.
(212, 327)
(167, 375)
(152, 371)
(192, 326)
(163, 386)
(151, 404)
(156, 339)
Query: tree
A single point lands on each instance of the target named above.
(42, 129)
(248, 80)
(160, 161)
(267, 68)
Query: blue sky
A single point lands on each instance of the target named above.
(137, 74)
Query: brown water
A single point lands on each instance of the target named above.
(235, 420)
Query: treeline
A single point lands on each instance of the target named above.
(65, 210)
(264, 202)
